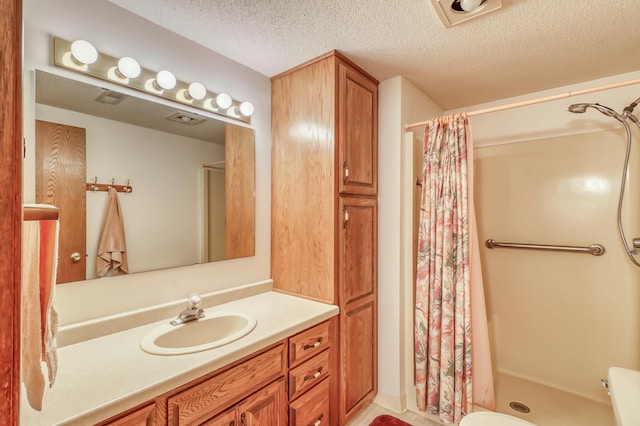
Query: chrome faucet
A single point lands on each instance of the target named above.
(193, 311)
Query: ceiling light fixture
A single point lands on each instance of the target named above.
(80, 56)
(454, 12)
(467, 5)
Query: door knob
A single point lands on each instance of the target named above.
(75, 257)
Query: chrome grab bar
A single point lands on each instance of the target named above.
(594, 249)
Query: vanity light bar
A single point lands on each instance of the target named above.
(80, 56)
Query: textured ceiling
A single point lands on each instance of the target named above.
(526, 46)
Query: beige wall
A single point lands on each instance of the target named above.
(559, 318)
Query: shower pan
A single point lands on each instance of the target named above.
(627, 114)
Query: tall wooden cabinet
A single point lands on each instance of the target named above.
(324, 208)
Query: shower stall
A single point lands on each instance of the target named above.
(557, 319)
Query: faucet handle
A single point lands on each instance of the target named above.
(194, 301)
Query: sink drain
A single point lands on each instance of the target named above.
(519, 407)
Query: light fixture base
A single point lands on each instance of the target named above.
(105, 66)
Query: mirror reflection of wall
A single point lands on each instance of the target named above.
(164, 216)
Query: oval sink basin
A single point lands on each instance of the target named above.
(212, 331)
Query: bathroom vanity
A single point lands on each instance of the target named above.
(279, 373)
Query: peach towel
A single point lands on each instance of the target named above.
(112, 249)
(39, 315)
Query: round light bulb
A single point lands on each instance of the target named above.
(246, 109)
(470, 5)
(165, 80)
(128, 67)
(223, 101)
(83, 52)
(197, 90)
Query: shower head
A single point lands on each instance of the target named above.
(581, 108)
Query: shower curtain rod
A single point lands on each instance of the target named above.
(538, 100)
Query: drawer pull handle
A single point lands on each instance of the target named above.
(315, 345)
(345, 167)
(317, 422)
(314, 375)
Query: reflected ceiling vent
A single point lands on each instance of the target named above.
(110, 97)
(454, 12)
(186, 118)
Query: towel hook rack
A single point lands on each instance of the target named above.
(104, 187)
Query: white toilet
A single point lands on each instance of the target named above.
(624, 388)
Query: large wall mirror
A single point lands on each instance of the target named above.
(192, 180)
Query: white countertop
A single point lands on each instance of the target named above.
(101, 377)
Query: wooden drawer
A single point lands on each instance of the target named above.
(140, 417)
(312, 408)
(210, 397)
(308, 374)
(304, 345)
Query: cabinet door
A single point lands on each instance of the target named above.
(228, 418)
(267, 407)
(357, 132)
(358, 303)
(358, 253)
(359, 364)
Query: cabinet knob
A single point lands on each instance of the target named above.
(315, 345)
(345, 178)
(317, 422)
(314, 375)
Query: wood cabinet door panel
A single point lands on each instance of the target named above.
(228, 418)
(358, 132)
(267, 407)
(359, 354)
(312, 408)
(358, 248)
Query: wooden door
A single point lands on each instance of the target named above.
(357, 132)
(358, 303)
(267, 407)
(239, 191)
(60, 180)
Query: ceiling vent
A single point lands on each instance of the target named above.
(454, 12)
(110, 97)
(186, 118)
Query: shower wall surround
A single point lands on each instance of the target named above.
(95, 20)
(561, 319)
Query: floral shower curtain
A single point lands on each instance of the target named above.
(447, 248)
